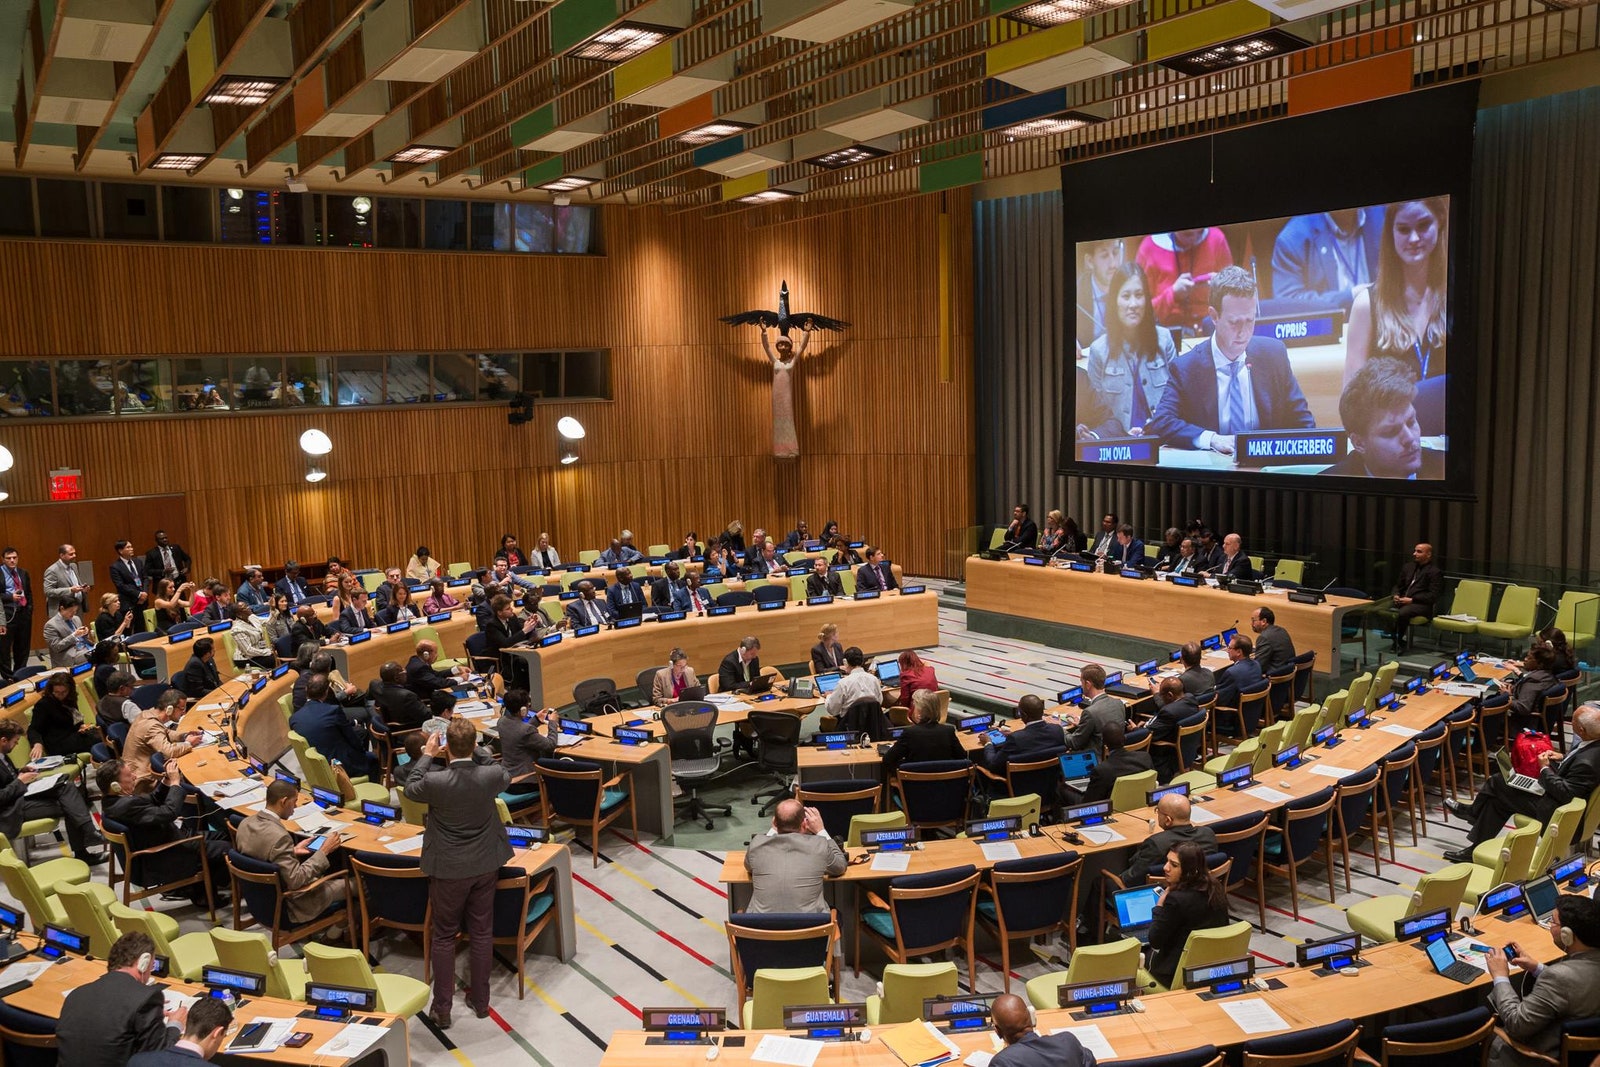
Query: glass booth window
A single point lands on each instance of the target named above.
(25, 389)
(360, 380)
(141, 387)
(588, 374)
(83, 386)
(128, 212)
(399, 222)
(307, 381)
(409, 380)
(201, 385)
(455, 377)
(257, 381)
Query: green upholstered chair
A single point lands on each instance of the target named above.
(1375, 917)
(1513, 619)
(905, 986)
(1471, 600)
(187, 954)
(1090, 963)
(1203, 947)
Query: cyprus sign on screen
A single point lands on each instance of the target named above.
(1310, 345)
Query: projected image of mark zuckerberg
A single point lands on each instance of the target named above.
(1233, 382)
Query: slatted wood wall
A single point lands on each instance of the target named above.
(887, 449)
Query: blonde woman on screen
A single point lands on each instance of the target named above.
(1401, 316)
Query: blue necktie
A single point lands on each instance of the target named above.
(1233, 420)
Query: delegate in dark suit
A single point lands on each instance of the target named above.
(1188, 405)
(1274, 650)
(293, 588)
(462, 853)
(1129, 555)
(581, 612)
(1422, 582)
(1118, 762)
(128, 577)
(329, 730)
(924, 741)
(1102, 709)
(16, 597)
(1180, 913)
(1020, 535)
(151, 820)
(424, 680)
(1164, 729)
(399, 708)
(1149, 857)
(733, 676)
(104, 1023)
(65, 802)
(197, 678)
(176, 1056)
(829, 584)
(1030, 744)
(1245, 674)
(1574, 776)
(825, 658)
(1044, 1050)
(1237, 568)
(875, 576)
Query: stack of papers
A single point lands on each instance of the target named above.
(1254, 1015)
(43, 785)
(230, 787)
(256, 795)
(409, 844)
(352, 1040)
(1090, 1037)
(895, 862)
(791, 1051)
(919, 1044)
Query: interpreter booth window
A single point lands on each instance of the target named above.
(541, 374)
(588, 375)
(573, 229)
(128, 212)
(399, 222)
(186, 213)
(141, 387)
(455, 377)
(445, 225)
(63, 208)
(296, 219)
(26, 390)
(410, 380)
(359, 380)
(244, 216)
(84, 386)
(499, 375)
(351, 223)
(307, 381)
(257, 382)
(202, 385)
(16, 207)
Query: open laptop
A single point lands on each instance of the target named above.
(827, 683)
(1444, 961)
(1075, 767)
(1525, 782)
(1115, 686)
(1136, 910)
(1541, 894)
(888, 671)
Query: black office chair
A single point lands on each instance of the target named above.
(735, 598)
(1333, 1043)
(839, 800)
(777, 753)
(478, 658)
(589, 688)
(866, 717)
(645, 681)
(1444, 1042)
(769, 594)
(145, 696)
(691, 728)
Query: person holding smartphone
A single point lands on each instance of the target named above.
(264, 836)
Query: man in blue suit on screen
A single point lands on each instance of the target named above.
(1233, 382)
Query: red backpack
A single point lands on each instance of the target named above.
(1525, 749)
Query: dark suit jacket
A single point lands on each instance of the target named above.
(151, 820)
(1234, 677)
(825, 658)
(1129, 555)
(465, 838)
(1179, 914)
(156, 569)
(1117, 763)
(730, 673)
(423, 680)
(924, 741)
(1274, 650)
(1197, 680)
(329, 730)
(1164, 727)
(197, 677)
(1237, 569)
(283, 585)
(300, 633)
(879, 577)
(829, 584)
(1149, 856)
(107, 1021)
(1354, 465)
(1206, 558)
(129, 585)
(661, 595)
(399, 708)
(1421, 583)
(351, 621)
(1574, 776)
(1044, 1050)
(170, 1057)
(577, 614)
(625, 601)
(27, 590)
(1189, 403)
(1027, 535)
(1030, 744)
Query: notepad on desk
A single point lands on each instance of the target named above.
(352, 1040)
(1254, 1015)
(1398, 730)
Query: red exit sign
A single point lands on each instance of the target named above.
(66, 485)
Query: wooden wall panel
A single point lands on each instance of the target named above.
(887, 450)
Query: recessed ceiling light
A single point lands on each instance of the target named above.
(845, 157)
(1043, 127)
(242, 89)
(614, 44)
(1263, 45)
(566, 185)
(1056, 12)
(177, 161)
(766, 196)
(419, 153)
(712, 131)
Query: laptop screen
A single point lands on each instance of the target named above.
(827, 683)
(1541, 893)
(1077, 765)
(888, 672)
(1440, 954)
(1136, 907)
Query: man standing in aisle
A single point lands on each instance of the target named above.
(16, 596)
(461, 854)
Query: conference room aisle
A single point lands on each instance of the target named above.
(649, 920)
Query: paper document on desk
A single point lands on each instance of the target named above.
(793, 1051)
(409, 844)
(995, 851)
(1100, 835)
(1269, 794)
(24, 972)
(718, 698)
(352, 1040)
(1465, 689)
(469, 707)
(258, 795)
(1254, 1015)
(735, 705)
(44, 785)
(1328, 771)
(229, 787)
(1199, 814)
(214, 706)
(309, 816)
(172, 1000)
(1398, 730)
(1091, 1038)
(919, 1044)
(894, 862)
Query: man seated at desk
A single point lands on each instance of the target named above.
(199, 676)
(1231, 383)
(1033, 741)
(120, 1014)
(1231, 564)
(765, 562)
(823, 582)
(1024, 1046)
(586, 610)
(423, 678)
(1099, 708)
(1128, 550)
(205, 1028)
(620, 552)
(1242, 673)
(926, 738)
(626, 596)
(327, 729)
(307, 628)
(356, 617)
(264, 836)
(875, 573)
(1174, 705)
(151, 817)
(858, 686)
(149, 734)
(1172, 827)
(1183, 562)
(1561, 991)
(1195, 678)
(1119, 761)
(670, 592)
(788, 866)
(501, 575)
(1274, 646)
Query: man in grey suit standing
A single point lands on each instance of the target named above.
(62, 582)
(1553, 993)
(462, 852)
(1099, 708)
(787, 867)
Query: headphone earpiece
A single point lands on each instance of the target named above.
(1033, 1016)
(272, 958)
(1564, 935)
(144, 963)
(655, 716)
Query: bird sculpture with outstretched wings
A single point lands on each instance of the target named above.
(783, 319)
